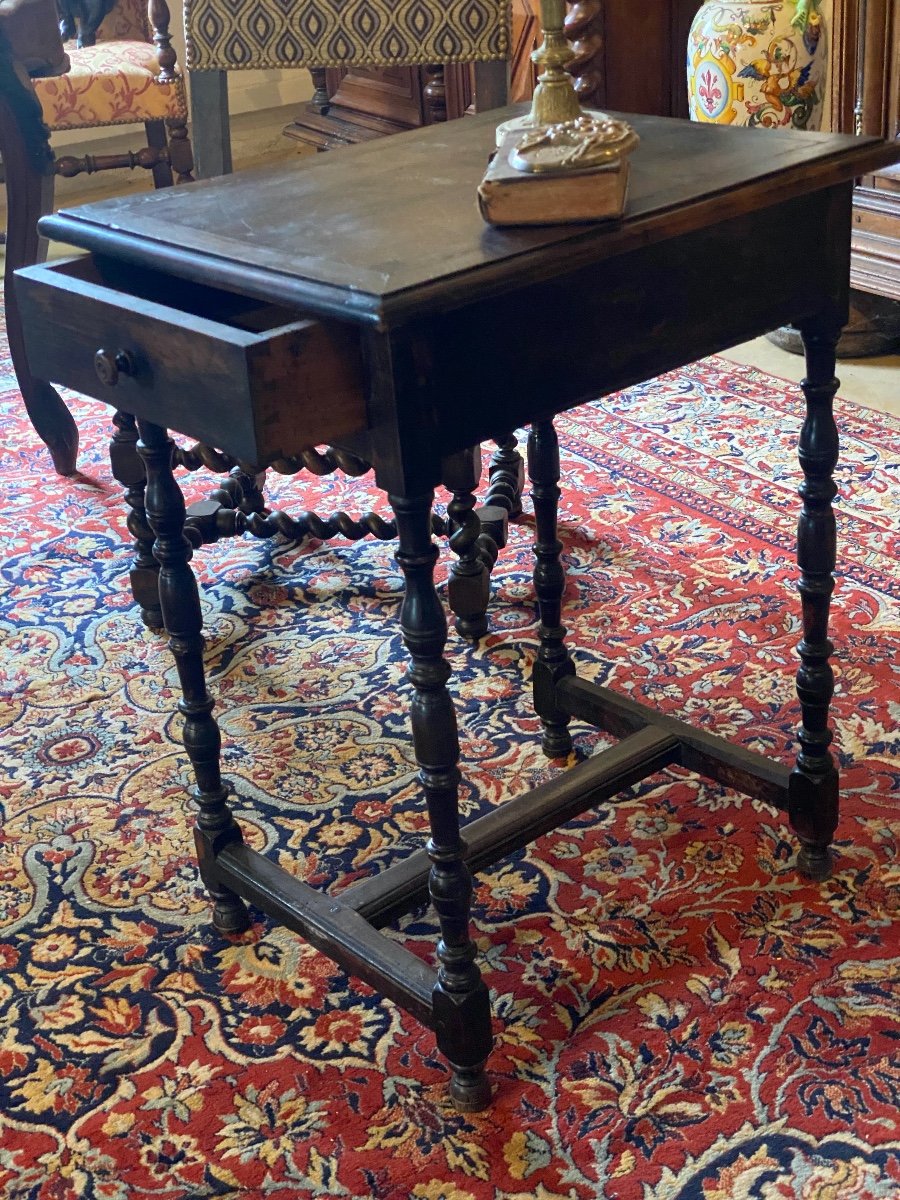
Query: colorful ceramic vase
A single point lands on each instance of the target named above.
(757, 62)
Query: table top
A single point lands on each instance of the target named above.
(388, 230)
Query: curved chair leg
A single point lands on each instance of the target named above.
(29, 194)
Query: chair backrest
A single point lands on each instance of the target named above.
(127, 21)
(29, 43)
(226, 35)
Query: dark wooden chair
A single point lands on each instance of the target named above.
(30, 45)
(220, 37)
(129, 75)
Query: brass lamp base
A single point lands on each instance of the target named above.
(526, 123)
(554, 99)
(559, 163)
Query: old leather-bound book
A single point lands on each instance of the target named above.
(513, 195)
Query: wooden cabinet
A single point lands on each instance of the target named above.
(865, 98)
(638, 53)
(876, 208)
(361, 103)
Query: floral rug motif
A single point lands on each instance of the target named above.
(679, 1015)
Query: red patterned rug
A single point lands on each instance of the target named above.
(678, 1013)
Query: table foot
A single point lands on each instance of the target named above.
(153, 619)
(553, 663)
(462, 1024)
(815, 862)
(556, 742)
(813, 794)
(183, 622)
(230, 914)
(470, 1090)
(472, 629)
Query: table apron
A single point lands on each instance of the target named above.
(499, 363)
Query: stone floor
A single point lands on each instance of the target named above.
(874, 382)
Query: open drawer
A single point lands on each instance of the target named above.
(256, 381)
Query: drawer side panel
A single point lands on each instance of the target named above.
(257, 396)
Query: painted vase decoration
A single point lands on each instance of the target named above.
(757, 62)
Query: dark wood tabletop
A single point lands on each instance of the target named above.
(409, 241)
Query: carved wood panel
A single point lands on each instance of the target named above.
(391, 92)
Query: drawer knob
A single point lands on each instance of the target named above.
(110, 364)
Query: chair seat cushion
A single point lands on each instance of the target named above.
(112, 83)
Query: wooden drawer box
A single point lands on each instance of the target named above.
(141, 341)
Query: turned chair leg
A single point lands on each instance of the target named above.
(813, 788)
(320, 102)
(29, 194)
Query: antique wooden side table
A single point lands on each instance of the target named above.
(360, 299)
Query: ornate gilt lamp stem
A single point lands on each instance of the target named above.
(574, 161)
(554, 97)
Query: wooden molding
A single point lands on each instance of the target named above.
(880, 111)
(842, 47)
(876, 203)
(525, 33)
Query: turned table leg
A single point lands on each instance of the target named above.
(183, 621)
(813, 789)
(506, 476)
(553, 662)
(460, 998)
(469, 586)
(128, 470)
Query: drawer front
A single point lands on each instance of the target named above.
(253, 381)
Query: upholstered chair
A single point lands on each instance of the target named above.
(222, 36)
(140, 82)
(128, 76)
